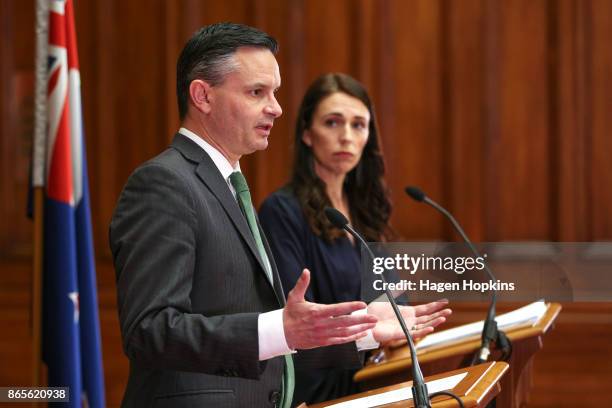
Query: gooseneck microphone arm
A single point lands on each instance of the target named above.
(489, 330)
(420, 394)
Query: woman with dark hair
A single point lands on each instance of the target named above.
(338, 163)
(349, 172)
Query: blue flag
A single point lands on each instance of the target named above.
(71, 330)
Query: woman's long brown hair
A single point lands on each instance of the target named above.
(368, 197)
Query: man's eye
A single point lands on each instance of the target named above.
(256, 92)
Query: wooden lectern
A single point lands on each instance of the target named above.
(476, 389)
(526, 341)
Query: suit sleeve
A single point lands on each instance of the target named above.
(153, 237)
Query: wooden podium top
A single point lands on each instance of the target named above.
(476, 389)
(398, 358)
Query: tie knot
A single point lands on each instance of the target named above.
(238, 182)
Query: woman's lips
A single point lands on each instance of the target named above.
(344, 155)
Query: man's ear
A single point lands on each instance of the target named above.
(306, 138)
(200, 95)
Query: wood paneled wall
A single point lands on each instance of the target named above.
(499, 110)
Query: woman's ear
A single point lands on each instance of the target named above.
(307, 138)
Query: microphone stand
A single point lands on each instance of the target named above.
(490, 332)
(420, 394)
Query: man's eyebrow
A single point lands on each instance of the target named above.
(258, 85)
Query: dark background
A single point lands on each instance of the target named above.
(499, 110)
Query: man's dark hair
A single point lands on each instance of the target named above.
(208, 55)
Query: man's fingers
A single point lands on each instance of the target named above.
(341, 340)
(417, 334)
(431, 323)
(346, 331)
(430, 308)
(442, 313)
(317, 337)
(344, 321)
(338, 309)
(299, 290)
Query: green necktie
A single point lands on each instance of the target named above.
(244, 200)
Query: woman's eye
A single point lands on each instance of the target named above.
(331, 122)
(359, 125)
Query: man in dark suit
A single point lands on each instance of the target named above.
(202, 313)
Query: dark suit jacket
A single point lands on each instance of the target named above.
(190, 287)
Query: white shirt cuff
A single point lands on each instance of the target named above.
(271, 333)
(368, 342)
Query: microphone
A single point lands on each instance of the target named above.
(420, 394)
(489, 330)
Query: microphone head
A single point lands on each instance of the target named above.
(415, 193)
(336, 217)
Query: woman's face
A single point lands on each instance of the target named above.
(338, 134)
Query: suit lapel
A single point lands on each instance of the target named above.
(278, 287)
(209, 174)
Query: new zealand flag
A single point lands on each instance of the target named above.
(71, 332)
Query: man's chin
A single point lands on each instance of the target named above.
(262, 144)
(255, 147)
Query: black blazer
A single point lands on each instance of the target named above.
(190, 287)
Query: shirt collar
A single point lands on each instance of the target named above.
(217, 157)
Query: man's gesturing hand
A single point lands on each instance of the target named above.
(420, 320)
(309, 325)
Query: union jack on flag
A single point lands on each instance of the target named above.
(71, 332)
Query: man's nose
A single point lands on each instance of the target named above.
(273, 108)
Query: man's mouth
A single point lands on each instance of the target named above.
(264, 128)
